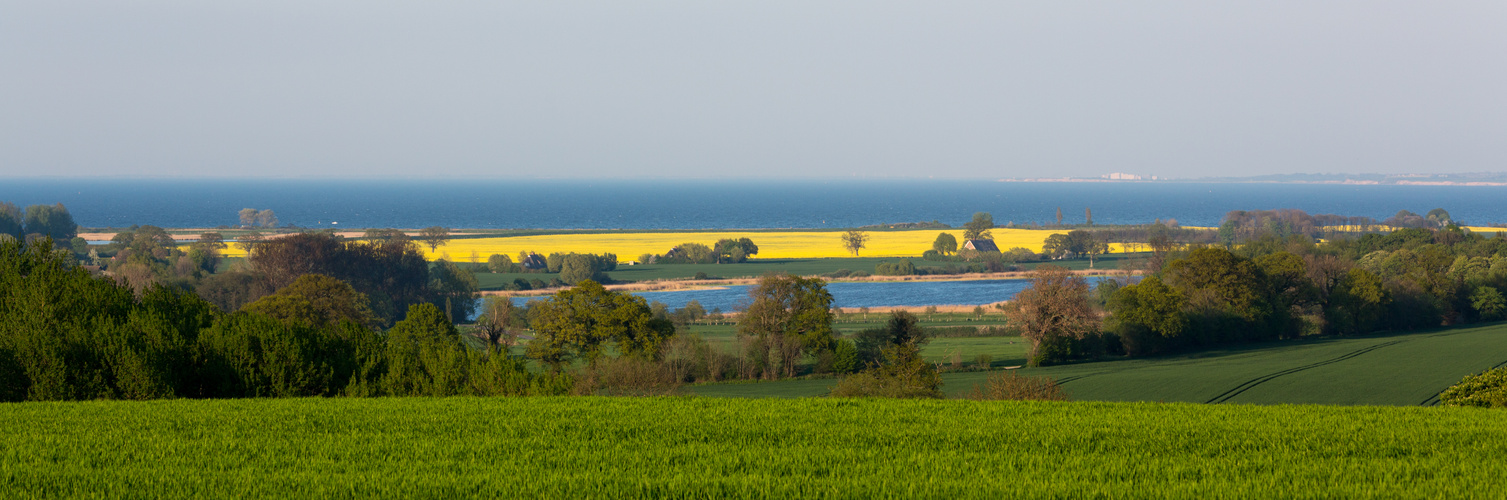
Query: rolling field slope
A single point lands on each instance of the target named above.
(1401, 369)
(702, 448)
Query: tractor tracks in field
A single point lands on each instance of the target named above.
(1247, 385)
(1434, 400)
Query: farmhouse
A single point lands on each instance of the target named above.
(533, 261)
(981, 246)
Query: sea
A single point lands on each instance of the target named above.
(715, 204)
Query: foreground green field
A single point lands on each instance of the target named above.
(1400, 369)
(691, 447)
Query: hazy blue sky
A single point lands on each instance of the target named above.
(757, 88)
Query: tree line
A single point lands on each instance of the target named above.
(329, 324)
(1269, 289)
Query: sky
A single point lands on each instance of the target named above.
(753, 89)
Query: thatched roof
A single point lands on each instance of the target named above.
(981, 246)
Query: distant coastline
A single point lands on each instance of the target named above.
(1462, 179)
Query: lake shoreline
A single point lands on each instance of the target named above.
(712, 284)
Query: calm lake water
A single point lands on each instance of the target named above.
(714, 204)
(858, 294)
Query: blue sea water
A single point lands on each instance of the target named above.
(722, 204)
(855, 294)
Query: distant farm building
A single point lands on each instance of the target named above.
(981, 246)
(534, 261)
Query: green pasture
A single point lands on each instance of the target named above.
(1398, 369)
(704, 448)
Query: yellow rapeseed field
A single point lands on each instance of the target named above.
(772, 245)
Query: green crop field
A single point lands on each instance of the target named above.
(697, 447)
(1400, 369)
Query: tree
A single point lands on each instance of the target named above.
(1148, 315)
(902, 372)
(316, 300)
(454, 287)
(1488, 303)
(393, 276)
(248, 241)
(577, 268)
(854, 240)
(735, 250)
(789, 315)
(500, 322)
(1088, 216)
(1057, 246)
(11, 220)
(247, 216)
(266, 218)
(425, 356)
(1358, 304)
(53, 221)
(576, 322)
(945, 244)
(499, 263)
(1080, 242)
(978, 228)
(1055, 315)
(387, 236)
(1232, 282)
(212, 240)
(1059, 216)
(435, 237)
(1439, 217)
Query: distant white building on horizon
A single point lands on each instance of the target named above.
(1118, 176)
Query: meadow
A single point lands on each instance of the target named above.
(1396, 369)
(700, 447)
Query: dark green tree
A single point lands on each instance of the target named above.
(945, 244)
(316, 300)
(978, 228)
(575, 323)
(789, 315)
(52, 221)
(11, 221)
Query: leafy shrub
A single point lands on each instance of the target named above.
(845, 357)
(902, 268)
(1009, 385)
(627, 376)
(902, 373)
(1485, 390)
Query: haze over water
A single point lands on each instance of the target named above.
(720, 204)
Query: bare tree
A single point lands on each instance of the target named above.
(854, 240)
(435, 236)
(499, 323)
(248, 241)
(248, 216)
(1055, 307)
(266, 218)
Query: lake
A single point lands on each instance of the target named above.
(857, 294)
